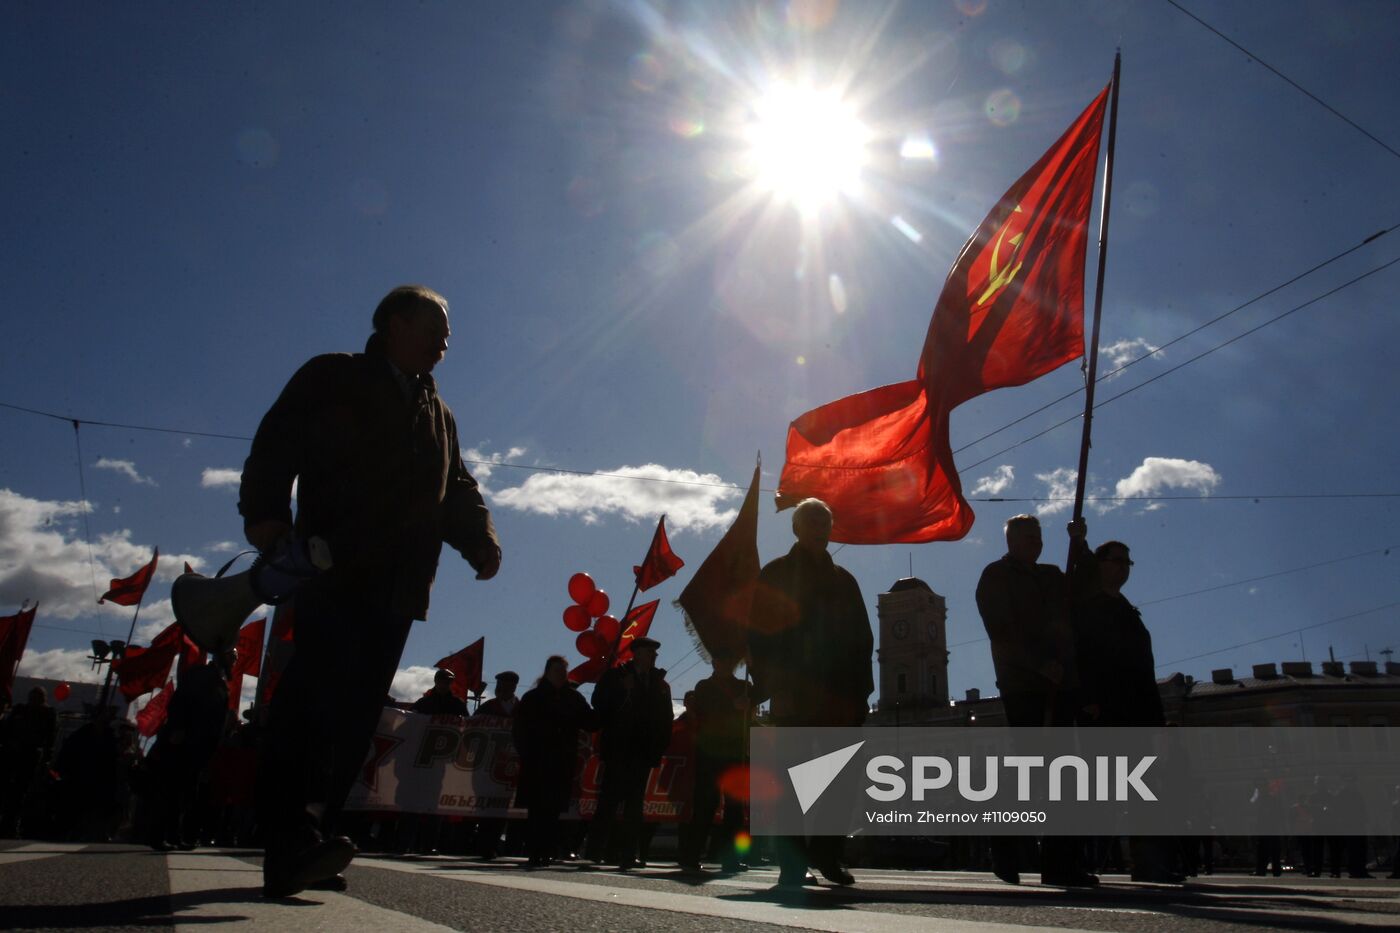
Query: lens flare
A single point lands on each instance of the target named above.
(1003, 107)
(743, 842)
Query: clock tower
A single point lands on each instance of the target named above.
(913, 652)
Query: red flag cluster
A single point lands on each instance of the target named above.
(142, 670)
(152, 715)
(249, 661)
(1011, 310)
(661, 563)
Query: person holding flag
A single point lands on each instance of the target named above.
(375, 453)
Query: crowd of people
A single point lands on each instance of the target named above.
(376, 455)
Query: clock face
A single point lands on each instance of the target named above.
(900, 629)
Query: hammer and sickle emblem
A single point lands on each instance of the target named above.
(1002, 275)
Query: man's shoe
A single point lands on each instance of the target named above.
(689, 865)
(837, 874)
(1076, 879)
(286, 874)
(333, 883)
(1007, 875)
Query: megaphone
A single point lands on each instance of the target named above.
(212, 609)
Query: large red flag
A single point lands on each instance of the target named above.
(718, 599)
(142, 670)
(1011, 309)
(14, 635)
(466, 667)
(152, 715)
(661, 563)
(637, 624)
(250, 651)
(128, 591)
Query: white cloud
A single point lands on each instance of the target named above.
(410, 683)
(689, 499)
(1059, 486)
(1158, 474)
(44, 557)
(1125, 351)
(223, 547)
(481, 468)
(221, 478)
(126, 468)
(68, 664)
(997, 483)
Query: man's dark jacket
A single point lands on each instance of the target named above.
(380, 475)
(811, 642)
(440, 703)
(635, 720)
(546, 729)
(1116, 669)
(1026, 612)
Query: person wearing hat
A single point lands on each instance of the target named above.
(633, 703)
(441, 701)
(504, 701)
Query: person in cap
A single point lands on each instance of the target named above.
(633, 703)
(504, 701)
(545, 730)
(376, 458)
(441, 701)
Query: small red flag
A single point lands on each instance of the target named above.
(637, 624)
(466, 668)
(152, 715)
(249, 647)
(128, 592)
(1011, 310)
(14, 635)
(661, 563)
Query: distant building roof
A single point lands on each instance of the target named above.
(909, 583)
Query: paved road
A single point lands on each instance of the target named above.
(52, 886)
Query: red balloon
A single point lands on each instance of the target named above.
(607, 628)
(576, 618)
(581, 589)
(61, 692)
(590, 645)
(598, 603)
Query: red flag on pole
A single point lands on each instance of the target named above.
(128, 591)
(152, 715)
(466, 667)
(145, 669)
(717, 600)
(661, 563)
(637, 624)
(250, 649)
(1011, 310)
(14, 635)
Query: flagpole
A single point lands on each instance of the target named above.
(131, 633)
(1084, 443)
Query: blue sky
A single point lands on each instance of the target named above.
(199, 199)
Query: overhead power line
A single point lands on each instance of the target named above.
(1309, 94)
(1182, 365)
(1292, 631)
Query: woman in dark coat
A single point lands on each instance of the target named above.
(546, 733)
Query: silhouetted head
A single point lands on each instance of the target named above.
(412, 322)
(1023, 538)
(811, 523)
(1115, 564)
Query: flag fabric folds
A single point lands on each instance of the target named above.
(152, 715)
(1011, 310)
(634, 626)
(718, 599)
(14, 635)
(128, 591)
(145, 669)
(661, 563)
(250, 649)
(465, 666)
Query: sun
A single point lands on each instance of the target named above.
(806, 146)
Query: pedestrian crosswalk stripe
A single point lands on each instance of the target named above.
(778, 914)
